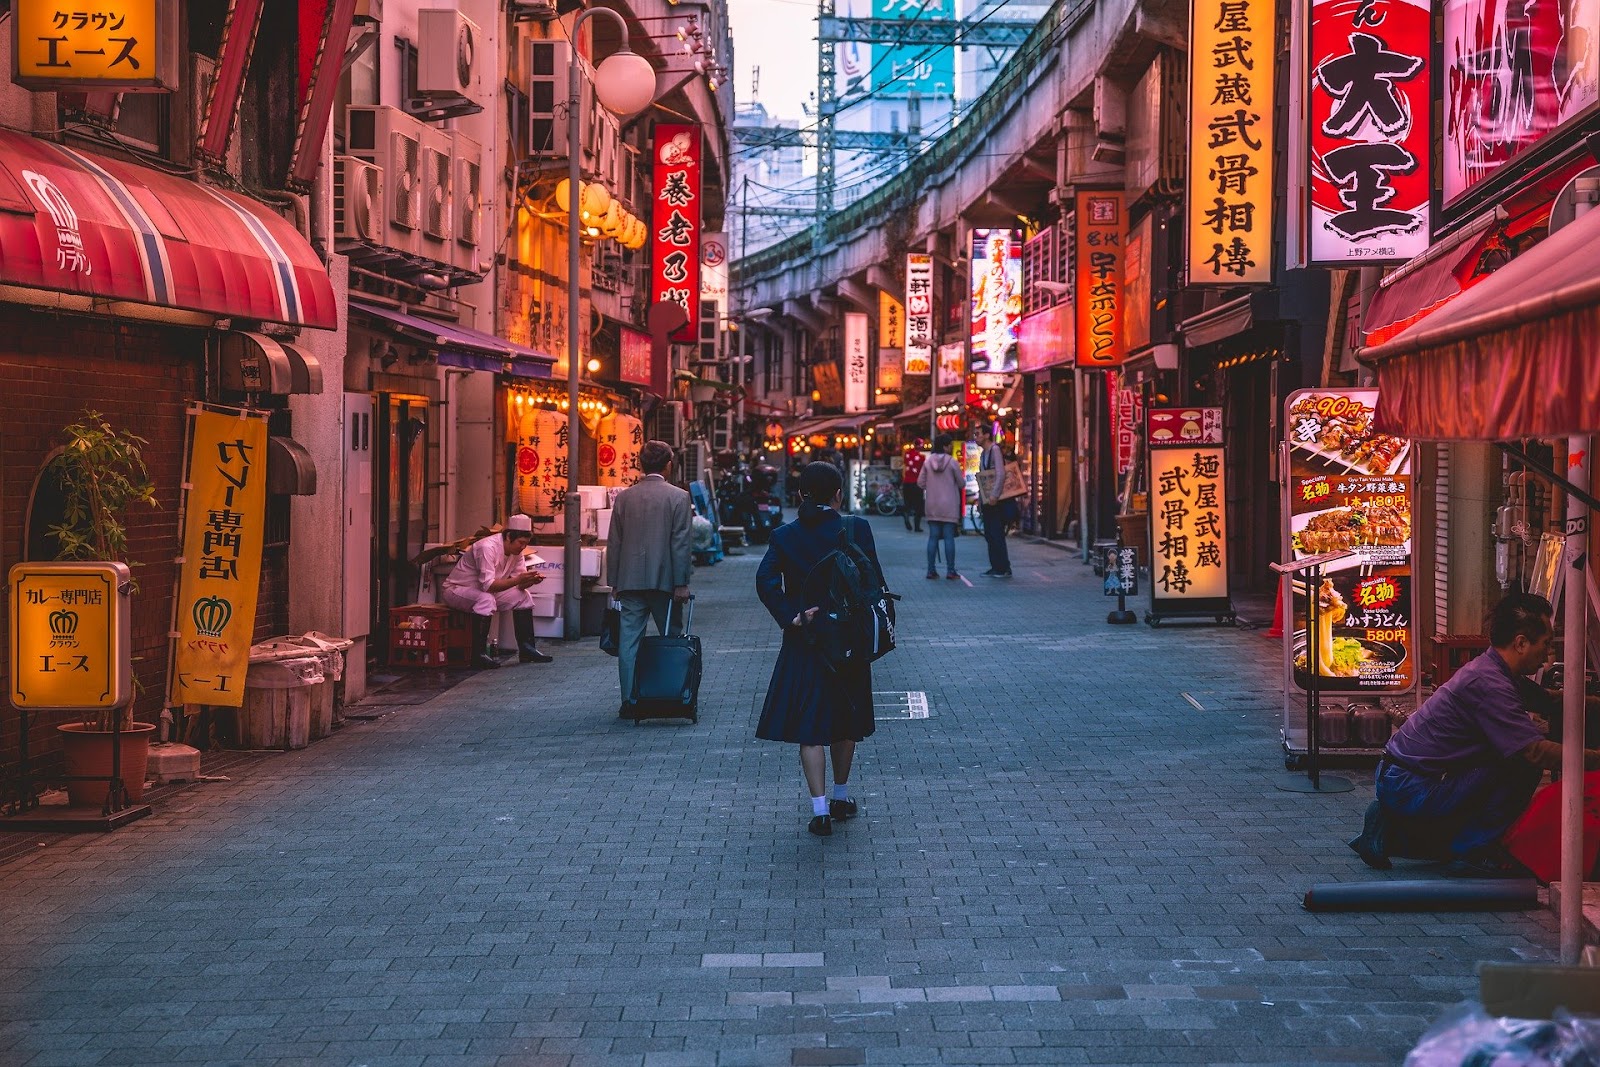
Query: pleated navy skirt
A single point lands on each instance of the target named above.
(808, 705)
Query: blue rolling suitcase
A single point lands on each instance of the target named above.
(666, 676)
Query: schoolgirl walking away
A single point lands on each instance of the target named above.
(807, 704)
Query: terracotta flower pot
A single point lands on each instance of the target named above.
(87, 751)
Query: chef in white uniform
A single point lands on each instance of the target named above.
(491, 576)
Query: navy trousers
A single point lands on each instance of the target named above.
(994, 533)
(1469, 810)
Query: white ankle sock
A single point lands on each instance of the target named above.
(819, 805)
(841, 791)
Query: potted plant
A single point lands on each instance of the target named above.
(102, 476)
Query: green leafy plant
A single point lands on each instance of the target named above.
(102, 475)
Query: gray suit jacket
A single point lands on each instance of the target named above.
(649, 546)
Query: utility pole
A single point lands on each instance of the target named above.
(827, 103)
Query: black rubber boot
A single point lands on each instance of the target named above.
(527, 646)
(482, 658)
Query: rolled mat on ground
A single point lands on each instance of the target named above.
(1453, 894)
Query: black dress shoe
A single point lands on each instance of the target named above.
(530, 654)
(842, 809)
(821, 825)
(485, 662)
(1370, 846)
(932, 574)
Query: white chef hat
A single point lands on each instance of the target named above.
(520, 523)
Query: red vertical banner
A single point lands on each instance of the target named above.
(1371, 181)
(324, 29)
(227, 84)
(1100, 231)
(675, 223)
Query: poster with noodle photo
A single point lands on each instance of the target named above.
(1349, 489)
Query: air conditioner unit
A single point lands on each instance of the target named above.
(448, 54)
(666, 424)
(469, 203)
(438, 199)
(696, 458)
(548, 86)
(722, 433)
(357, 200)
(391, 140)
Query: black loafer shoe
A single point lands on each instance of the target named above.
(533, 655)
(821, 825)
(842, 809)
(1370, 846)
(931, 574)
(485, 662)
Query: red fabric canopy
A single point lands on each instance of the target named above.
(1517, 355)
(79, 223)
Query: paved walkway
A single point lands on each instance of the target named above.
(1065, 862)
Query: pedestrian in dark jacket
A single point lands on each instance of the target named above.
(807, 704)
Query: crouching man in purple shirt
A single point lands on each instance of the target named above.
(1462, 769)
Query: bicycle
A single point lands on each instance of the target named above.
(888, 501)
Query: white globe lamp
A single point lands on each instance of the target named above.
(625, 82)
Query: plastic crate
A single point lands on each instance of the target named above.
(429, 636)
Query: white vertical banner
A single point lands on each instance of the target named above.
(714, 271)
(856, 383)
(919, 314)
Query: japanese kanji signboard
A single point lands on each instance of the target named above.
(675, 223)
(996, 309)
(1188, 523)
(1127, 416)
(891, 322)
(1370, 183)
(634, 355)
(541, 478)
(95, 45)
(919, 314)
(857, 385)
(1228, 213)
(1349, 489)
(1100, 229)
(69, 636)
(219, 576)
(618, 439)
(1513, 75)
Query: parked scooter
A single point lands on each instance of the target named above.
(765, 512)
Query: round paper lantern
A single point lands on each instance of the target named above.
(594, 201)
(618, 438)
(611, 221)
(564, 194)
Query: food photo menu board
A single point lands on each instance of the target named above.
(1349, 489)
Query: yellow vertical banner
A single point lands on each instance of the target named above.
(891, 322)
(219, 577)
(1228, 196)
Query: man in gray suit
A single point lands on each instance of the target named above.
(648, 556)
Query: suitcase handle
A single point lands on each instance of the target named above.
(688, 615)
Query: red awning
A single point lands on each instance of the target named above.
(1514, 356)
(102, 229)
(1429, 281)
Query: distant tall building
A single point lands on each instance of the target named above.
(777, 178)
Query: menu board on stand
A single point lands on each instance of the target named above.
(1188, 515)
(1348, 488)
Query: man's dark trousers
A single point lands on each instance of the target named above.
(1472, 809)
(994, 532)
(911, 493)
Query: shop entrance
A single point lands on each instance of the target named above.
(401, 513)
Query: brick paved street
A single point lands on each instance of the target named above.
(1065, 862)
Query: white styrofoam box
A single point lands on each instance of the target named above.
(602, 520)
(591, 522)
(593, 562)
(595, 496)
(555, 626)
(547, 604)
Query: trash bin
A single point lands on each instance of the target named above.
(327, 698)
(277, 695)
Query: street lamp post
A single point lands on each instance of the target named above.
(625, 83)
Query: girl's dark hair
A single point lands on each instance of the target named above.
(819, 482)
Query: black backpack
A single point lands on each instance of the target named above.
(855, 623)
